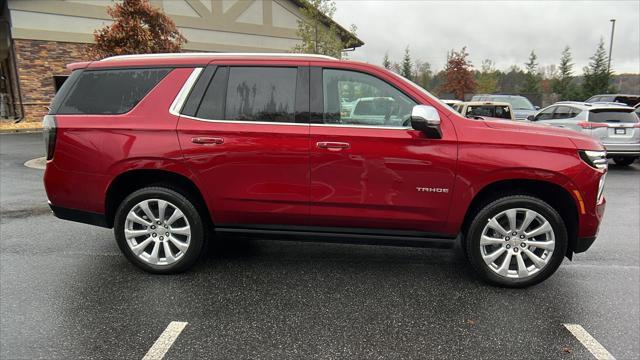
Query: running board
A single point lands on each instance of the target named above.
(370, 238)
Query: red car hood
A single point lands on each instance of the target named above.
(581, 141)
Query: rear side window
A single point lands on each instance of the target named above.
(613, 116)
(107, 92)
(261, 94)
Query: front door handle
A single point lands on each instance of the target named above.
(332, 146)
(207, 140)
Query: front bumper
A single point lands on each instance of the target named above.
(632, 149)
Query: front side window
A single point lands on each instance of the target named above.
(261, 94)
(545, 114)
(354, 98)
(562, 112)
(107, 92)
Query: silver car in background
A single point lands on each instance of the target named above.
(617, 126)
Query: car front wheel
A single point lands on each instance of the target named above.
(516, 241)
(159, 230)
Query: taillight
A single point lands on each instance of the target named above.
(49, 130)
(592, 125)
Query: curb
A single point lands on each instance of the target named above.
(17, 131)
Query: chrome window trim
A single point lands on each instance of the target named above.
(181, 97)
(178, 102)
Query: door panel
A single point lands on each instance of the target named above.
(379, 180)
(248, 143)
(257, 174)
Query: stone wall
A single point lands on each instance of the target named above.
(38, 61)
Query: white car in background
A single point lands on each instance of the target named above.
(616, 125)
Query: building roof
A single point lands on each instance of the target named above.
(349, 39)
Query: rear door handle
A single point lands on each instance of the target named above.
(207, 140)
(333, 146)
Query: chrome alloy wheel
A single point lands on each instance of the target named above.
(517, 243)
(157, 232)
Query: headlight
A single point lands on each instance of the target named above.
(595, 159)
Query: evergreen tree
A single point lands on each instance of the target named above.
(407, 65)
(562, 84)
(532, 79)
(596, 75)
(386, 62)
(487, 78)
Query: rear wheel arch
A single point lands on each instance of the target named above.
(130, 181)
(555, 195)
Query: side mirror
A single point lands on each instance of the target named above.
(425, 118)
(537, 107)
(531, 118)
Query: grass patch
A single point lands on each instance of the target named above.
(10, 126)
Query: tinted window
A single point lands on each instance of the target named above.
(494, 111)
(261, 94)
(355, 98)
(110, 91)
(545, 114)
(612, 116)
(213, 101)
(562, 112)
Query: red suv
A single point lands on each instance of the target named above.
(169, 149)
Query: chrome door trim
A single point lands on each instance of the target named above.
(179, 100)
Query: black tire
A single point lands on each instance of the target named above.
(189, 210)
(472, 241)
(624, 160)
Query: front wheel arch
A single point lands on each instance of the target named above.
(555, 195)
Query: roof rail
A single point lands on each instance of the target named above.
(210, 54)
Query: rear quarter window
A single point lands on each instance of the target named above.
(108, 92)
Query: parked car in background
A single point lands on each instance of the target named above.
(451, 102)
(626, 99)
(172, 150)
(617, 126)
(520, 105)
(480, 109)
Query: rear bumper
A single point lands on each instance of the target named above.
(622, 149)
(81, 216)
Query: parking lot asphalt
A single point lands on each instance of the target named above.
(66, 292)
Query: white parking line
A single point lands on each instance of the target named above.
(164, 342)
(589, 342)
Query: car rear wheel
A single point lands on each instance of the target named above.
(516, 241)
(624, 160)
(159, 230)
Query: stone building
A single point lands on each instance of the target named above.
(39, 37)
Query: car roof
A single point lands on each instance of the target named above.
(495, 103)
(499, 95)
(626, 95)
(193, 59)
(595, 105)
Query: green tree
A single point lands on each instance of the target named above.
(317, 35)
(596, 75)
(459, 78)
(562, 84)
(532, 78)
(487, 78)
(137, 28)
(407, 65)
(386, 62)
(422, 73)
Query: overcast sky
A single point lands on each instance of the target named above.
(503, 31)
